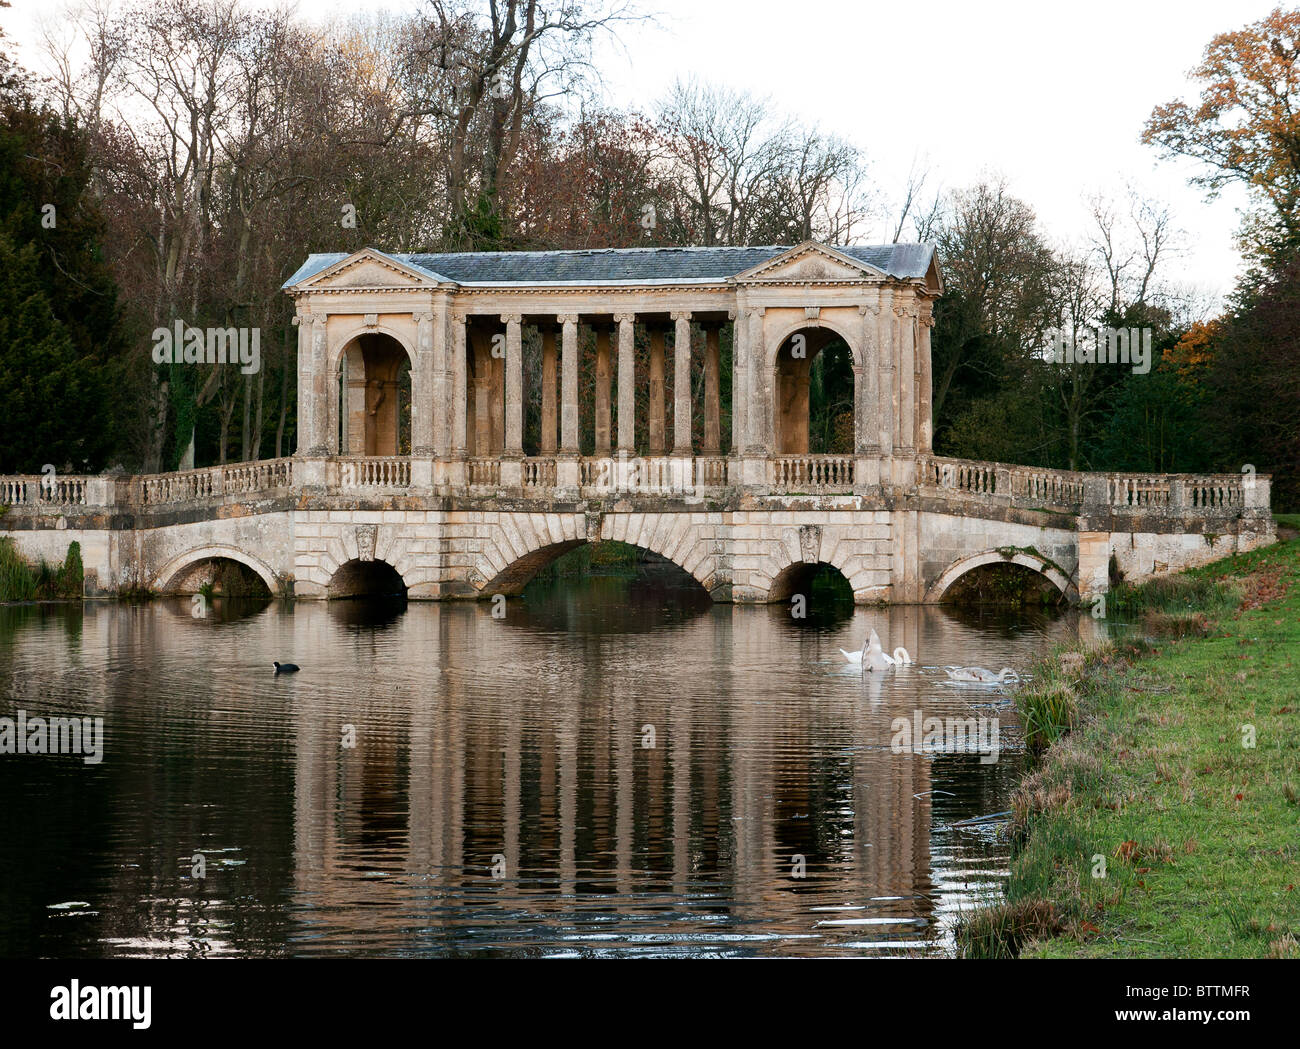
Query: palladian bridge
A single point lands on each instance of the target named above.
(414, 459)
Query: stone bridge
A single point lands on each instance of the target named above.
(414, 454)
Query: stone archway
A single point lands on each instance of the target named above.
(375, 382)
(175, 570)
(1024, 558)
(814, 369)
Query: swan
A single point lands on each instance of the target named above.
(980, 676)
(872, 645)
(870, 657)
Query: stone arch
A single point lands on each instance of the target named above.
(416, 566)
(177, 566)
(805, 547)
(1034, 562)
(349, 335)
(520, 544)
(788, 413)
(340, 346)
(363, 578)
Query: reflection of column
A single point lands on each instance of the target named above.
(712, 391)
(682, 385)
(514, 384)
(569, 386)
(604, 375)
(549, 407)
(626, 383)
(925, 405)
(655, 411)
(460, 386)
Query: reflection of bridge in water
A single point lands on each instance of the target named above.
(412, 450)
(480, 738)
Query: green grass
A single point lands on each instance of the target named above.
(1200, 835)
(20, 581)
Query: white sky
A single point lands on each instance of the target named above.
(1052, 96)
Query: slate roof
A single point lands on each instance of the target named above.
(622, 265)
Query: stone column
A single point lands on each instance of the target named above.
(906, 363)
(626, 380)
(885, 373)
(866, 399)
(549, 377)
(325, 394)
(514, 385)
(306, 405)
(426, 406)
(567, 472)
(604, 374)
(712, 392)
(459, 386)
(441, 385)
(739, 382)
(759, 389)
(656, 414)
(682, 385)
(422, 381)
(569, 385)
(925, 398)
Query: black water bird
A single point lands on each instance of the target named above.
(286, 668)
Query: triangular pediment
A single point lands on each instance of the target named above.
(810, 263)
(371, 269)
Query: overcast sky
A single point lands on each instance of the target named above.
(1054, 97)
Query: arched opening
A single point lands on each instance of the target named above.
(219, 577)
(814, 394)
(826, 592)
(616, 586)
(1008, 576)
(367, 579)
(375, 408)
(1003, 583)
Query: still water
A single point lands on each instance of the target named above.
(615, 768)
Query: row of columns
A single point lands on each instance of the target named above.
(894, 374)
(615, 351)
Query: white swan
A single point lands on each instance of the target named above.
(878, 658)
(870, 657)
(980, 676)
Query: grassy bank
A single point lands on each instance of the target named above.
(1162, 816)
(20, 581)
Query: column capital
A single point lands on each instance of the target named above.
(512, 318)
(566, 318)
(625, 318)
(871, 307)
(423, 315)
(681, 315)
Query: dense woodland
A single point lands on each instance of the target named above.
(195, 152)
